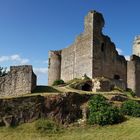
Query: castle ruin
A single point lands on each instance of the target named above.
(95, 55)
(19, 80)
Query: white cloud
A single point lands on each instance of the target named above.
(24, 61)
(40, 70)
(14, 58)
(4, 58)
(45, 61)
(127, 57)
(119, 51)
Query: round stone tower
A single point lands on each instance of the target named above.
(54, 66)
(136, 46)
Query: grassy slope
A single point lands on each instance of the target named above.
(129, 130)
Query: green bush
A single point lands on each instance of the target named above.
(131, 108)
(58, 82)
(130, 92)
(103, 113)
(47, 126)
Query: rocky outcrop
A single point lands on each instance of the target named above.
(20, 110)
(63, 108)
(119, 98)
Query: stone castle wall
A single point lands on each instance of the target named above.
(20, 80)
(92, 54)
(75, 57)
(136, 46)
(54, 68)
(106, 60)
(133, 74)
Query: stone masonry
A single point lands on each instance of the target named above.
(136, 46)
(92, 53)
(20, 80)
(95, 55)
(133, 74)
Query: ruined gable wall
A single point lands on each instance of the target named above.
(83, 56)
(106, 61)
(133, 74)
(77, 59)
(20, 80)
(67, 63)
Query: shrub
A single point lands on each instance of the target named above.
(131, 108)
(101, 112)
(86, 77)
(58, 82)
(3, 71)
(47, 126)
(130, 92)
(118, 89)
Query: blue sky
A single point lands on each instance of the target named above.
(30, 28)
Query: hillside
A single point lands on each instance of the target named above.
(57, 102)
(128, 130)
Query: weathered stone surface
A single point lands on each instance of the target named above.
(54, 66)
(120, 98)
(105, 85)
(102, 84)
(92, 53)
(136, 46)
(133, 74)
(20, 110)
(20, 80)
(63, 108)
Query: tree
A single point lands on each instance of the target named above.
(3, 71)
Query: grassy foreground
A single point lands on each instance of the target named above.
(129, 130)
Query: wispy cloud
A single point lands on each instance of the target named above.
(127, 57)
(45, 61)
(119, 50)
(4, 58)
(40, 70)
(14, 58)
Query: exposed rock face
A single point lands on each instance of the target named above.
(104, 85)
(20, 110)
(118, 98)
(20, 80)
(63, 108)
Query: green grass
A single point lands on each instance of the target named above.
(129, 130)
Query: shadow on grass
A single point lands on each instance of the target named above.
(44, 89)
